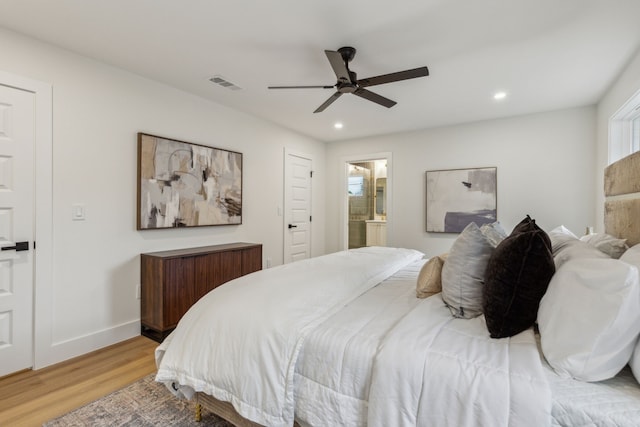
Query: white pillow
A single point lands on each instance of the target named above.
(576, 249)
(589, 319)
(607, 244)
(566, 246)
(560, 236)
(463, 272)
(635, 362)
(632, 256)
(494, 233)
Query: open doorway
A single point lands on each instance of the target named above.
(367, 202)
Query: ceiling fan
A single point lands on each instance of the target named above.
(349, 83)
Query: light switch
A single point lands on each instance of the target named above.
(78, 212)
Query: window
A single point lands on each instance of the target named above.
(624, 130)
(635, 134)
(356, 186)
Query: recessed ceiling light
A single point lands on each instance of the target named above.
(337, 125)
(500, 95)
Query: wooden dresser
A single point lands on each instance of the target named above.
(172, 281)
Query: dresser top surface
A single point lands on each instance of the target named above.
(202, 250)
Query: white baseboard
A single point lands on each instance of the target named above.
(64, 350)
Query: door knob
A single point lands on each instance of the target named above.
(293, 226)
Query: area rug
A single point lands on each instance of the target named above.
(143, 403)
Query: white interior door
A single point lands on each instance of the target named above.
(297, 231)
(17, 136)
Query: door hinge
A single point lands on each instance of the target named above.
(309, 218)
(311, 174)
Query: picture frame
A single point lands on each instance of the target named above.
(457, 197)
(182, 184)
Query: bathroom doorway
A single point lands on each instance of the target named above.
(367, 203)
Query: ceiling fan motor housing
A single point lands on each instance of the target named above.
(347, 53)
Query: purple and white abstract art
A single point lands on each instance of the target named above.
(457, 197)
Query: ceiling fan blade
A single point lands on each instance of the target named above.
(366, 94)
(328, 102)
(338, 65)
(394, 77)
(300, 87)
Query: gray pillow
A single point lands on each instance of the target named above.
(494, 232)
(463, 272)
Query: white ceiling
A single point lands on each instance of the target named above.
(546, 54)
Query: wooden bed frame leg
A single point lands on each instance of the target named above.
(198, 412)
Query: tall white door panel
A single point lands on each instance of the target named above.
(17, 137)
(297, 232)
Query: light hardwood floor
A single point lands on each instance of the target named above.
(30, 398)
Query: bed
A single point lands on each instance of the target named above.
(343, 340)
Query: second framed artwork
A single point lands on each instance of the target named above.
(181, 184)
(457, 197)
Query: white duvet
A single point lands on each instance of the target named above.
(333, 371)
(436, 370)
(390, 359)
(240, 342)
(611, 403)
(317, 339)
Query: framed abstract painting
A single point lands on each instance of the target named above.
(457, 197)
(181, 184)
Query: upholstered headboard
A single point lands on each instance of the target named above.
(622, 199)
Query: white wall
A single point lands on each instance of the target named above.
(625, 86)
(97, 112)
(545, 168)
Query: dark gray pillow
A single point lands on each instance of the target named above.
(517, 276)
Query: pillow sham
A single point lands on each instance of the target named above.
(559, 237)
(632, 256)
(576, 249)
(494, 233)
(566, 246)
(430, 277)
(607, 244)
(463, 272)
(634, 363)
(517, 276)
(589, 318)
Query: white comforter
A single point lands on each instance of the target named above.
(390, 359)
(436, 370)
(333, 371)
(240, 342)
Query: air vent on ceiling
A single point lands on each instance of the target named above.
(219, 80)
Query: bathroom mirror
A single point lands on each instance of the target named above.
(381, 198)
